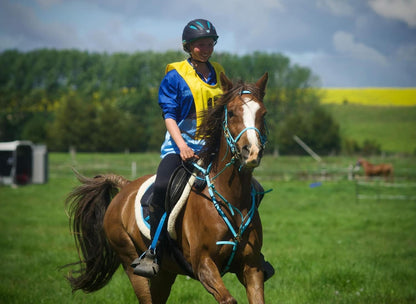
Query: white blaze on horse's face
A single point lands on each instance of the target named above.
(249, 117)
(252, 150)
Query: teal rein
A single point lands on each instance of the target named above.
(245, 220)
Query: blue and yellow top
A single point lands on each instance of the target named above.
(183, 96)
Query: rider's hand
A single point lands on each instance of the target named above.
(187, 153)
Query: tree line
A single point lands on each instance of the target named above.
(108, 102)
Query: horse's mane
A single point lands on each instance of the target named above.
(211, 127)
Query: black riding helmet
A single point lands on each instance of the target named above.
(197, 29)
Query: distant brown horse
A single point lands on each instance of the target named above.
(225, 236)
(370, 170)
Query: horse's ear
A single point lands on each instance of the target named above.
(261, 83)
(226, 83)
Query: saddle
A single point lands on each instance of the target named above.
(180, 185)
(176, 186)
(180, 178)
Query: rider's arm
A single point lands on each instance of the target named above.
(173, 129)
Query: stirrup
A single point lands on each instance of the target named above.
(146, 265)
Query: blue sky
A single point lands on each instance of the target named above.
(346, 43)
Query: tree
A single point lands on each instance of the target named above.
(83, 97)
(74, 125)
(314, 126)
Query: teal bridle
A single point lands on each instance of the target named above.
(236, 155)
(231, 141)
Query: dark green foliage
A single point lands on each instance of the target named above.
(315, 127)
(108, 102)
(35, 128)
(368, 148)
(74, 124)
(371, 147)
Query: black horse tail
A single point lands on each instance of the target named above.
(87, 205)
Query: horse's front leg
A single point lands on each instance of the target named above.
(210, 278)
(253, 279)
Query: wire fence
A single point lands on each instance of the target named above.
(377, 189)
(271, 170)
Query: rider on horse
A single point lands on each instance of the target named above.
(188, 89)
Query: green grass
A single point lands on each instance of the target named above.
(394, 128)
(326, 246)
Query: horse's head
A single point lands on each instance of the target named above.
(244, 124)
(361, 162)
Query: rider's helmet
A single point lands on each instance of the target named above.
(197, 29)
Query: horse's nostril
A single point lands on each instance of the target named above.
(245, 151)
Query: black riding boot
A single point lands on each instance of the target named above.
(147, 265)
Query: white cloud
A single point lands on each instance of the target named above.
(407, 52)
(21, 24)
(276, 4)
(404, 10)
(338, 8)
(306, 58)
(345, 44)
(48, 3)
(367, 49)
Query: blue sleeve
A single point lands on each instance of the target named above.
(175, 97)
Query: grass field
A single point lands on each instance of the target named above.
(326, 246)
(386, 116)
(393, 128)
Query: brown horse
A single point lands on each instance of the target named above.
(370, 170)
(219, 229)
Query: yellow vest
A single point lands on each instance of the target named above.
(204, 94)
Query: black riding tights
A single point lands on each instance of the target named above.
(165, 170)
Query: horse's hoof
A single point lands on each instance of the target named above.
(268, 270)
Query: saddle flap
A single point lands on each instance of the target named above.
(176, 186)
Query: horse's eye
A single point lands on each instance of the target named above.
(230, 114)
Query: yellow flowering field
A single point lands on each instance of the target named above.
(370, 96)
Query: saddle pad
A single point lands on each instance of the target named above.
(138, 208)
(178, 207)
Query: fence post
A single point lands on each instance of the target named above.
(356, 191)
(73, 152)
(378, 189)
(307, 149)
(350, 172)
(133, 169)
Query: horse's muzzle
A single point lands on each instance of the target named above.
(251, 155)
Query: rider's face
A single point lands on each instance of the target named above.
(202, 49)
